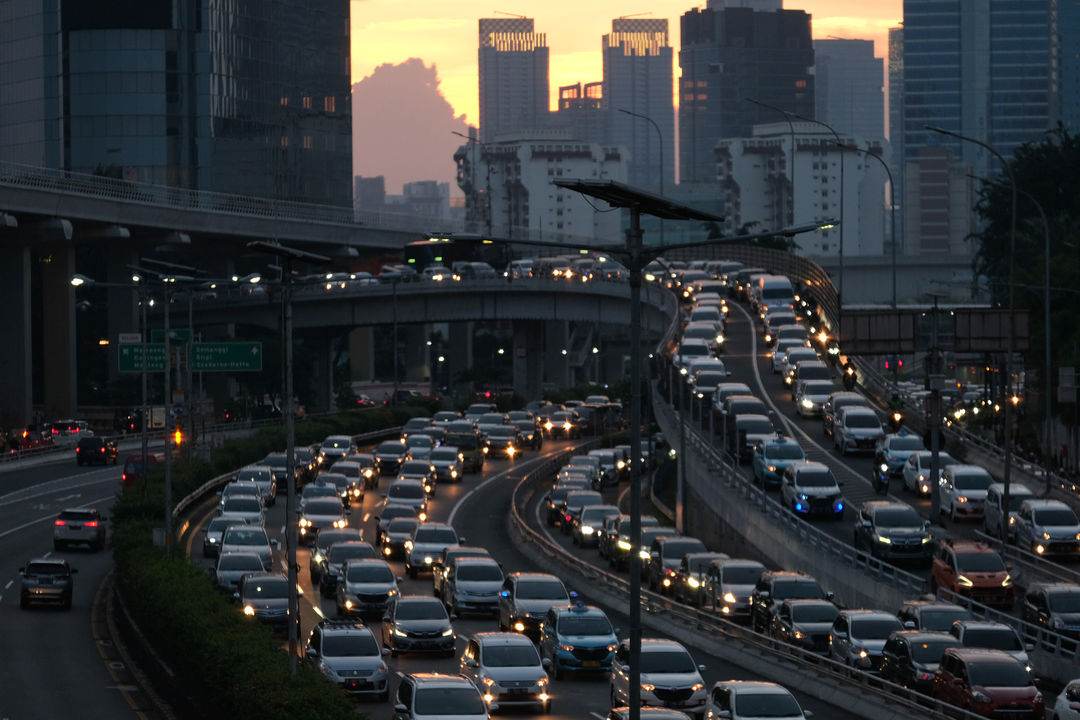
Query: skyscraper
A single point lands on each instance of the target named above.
(978, 68)
(732, 51)
(896, 125)
(514, 92)
(1067, 47)
(848, 87)
(207, 96)
(638, 78)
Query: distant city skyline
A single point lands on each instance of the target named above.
(444, 34)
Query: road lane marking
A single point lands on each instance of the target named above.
(49, 518)
(9, 584)
(37, 491)
(496, 476)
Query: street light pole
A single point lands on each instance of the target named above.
(660, 137)
(1007, 465)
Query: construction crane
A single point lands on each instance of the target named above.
(500, 12)
(624, 17)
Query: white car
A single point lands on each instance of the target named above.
(667, 672)
(917, 470)
(426, 545)
(249, 538)
(247, 509)
(857, 429)
(781, 348)
(962, 490)
(811, 396)
(506, 668)
(232, 566)
(744, 699)
(858, 637)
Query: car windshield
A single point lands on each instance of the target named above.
(595, 625)
(941, 619)
(320, 490)
(458, 700)
(766, 705)
(502, 431)
(339, 553)
(979, 562)
(369, 573)
(396, 511)
(242, 504)
(930, 651)
(415, 467)
(900, 518)
(391, 447)
(873, 628)
(406, 491)
(806, 588)
(253, 476)
(462, 442)
(350, 645)
(275, 459)
(993, 638)
(271, 588)
(862, 421)
(239, 561)
(814, 613)
(784, 451)
(1065, 602)
(421, 610)
(757, 427)
(742, 574)
(700, 332)
(218, 525)
(402, 526)
(822, 477)
(416, 440)
(516, 655)
(709, 379)
(974, 481)
(814, 372)
(443, 454)
(667, 661)
(541, 590)
(244, 536)
(1004, 674)
(905, 444)
(694, 350)
(321, 506)
(819, 387)
(480, 573)
(46, 569)
(436, 535)
(678, 548)
(595, 515)
(944, 460)
(1055, 516)
(1016, 499)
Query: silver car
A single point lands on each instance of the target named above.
(321, 514)
(248, 538)
(245, 509)
(472, 584)
(669, 677)
(448, 462)
(212, 536)
(506, 668)
(232, 566)
(365, 587)
(425, 546)
(348, 655)
(263, 477)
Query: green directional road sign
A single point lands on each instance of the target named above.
(226, 357)
(130, 358)
(176, 335)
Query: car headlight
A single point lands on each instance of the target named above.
(644, 554)
(729, 597)
(648, 687)
(624, 545)
(587, 530)
(408, 544)
(804, 496)
(884, 540)
(428, 560)
(340, 523)
(862, 653)
(399, 633)
(1046, 536)
(965, 582)
(697, 686)
(1007, 581)
(304, 522)
(961, 499)
(980, 697)
(249, 610)
(884, 467)
(807, 403)
(693, 582)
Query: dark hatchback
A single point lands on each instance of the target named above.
(94, 450)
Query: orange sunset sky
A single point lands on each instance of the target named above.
(444, 33)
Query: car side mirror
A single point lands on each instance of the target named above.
(701, 668)
(311, 652)
(1072, 693)
(866, 524)
(400, 579)
(471, 662)
(400, 708)
(235, 596)
(274, 542)
(721, 713)
(909, 624)
(546, 662)
(808, 713)
(1029, 647)
(839, 636)
(461, 540)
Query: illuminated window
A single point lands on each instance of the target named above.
(284, 141)
(703, 83)
(307, 142)
(284, 101)
(307, 103)
(800, 83)
(702, 96)
(330, 104)
(688, 97)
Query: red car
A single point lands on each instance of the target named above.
(988, 683)
(972, 569)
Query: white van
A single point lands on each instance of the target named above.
(773, 290)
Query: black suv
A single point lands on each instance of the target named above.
(892, 530)
(93, 450)
(911, 657)
(931, 615)
(775, 586)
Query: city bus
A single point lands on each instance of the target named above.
(448, 249)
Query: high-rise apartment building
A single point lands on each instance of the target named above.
(848, 87)
(638, 79)
(208, 96)
(514, 92)
(732, 51)
(1067, 48)
(980, 68)
(896, 125)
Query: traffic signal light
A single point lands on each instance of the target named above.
(178, 437)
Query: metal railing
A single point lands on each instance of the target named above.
(913, 703)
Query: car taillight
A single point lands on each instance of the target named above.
(78, 450)
(90, 524)
(60, 523)
(102, 449)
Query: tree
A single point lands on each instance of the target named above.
(1049, 171)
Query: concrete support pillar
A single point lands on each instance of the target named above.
(528, 358)
(322, 374)
(556, 345)
(414, 353)
(362, 354)
(122, 304)
(16, 355)
(59, 363)
(459, 351)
